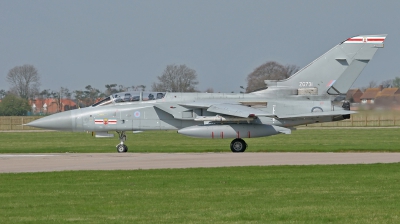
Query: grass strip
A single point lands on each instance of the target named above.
(305, 140)
(280, 194)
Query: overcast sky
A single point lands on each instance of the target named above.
(77, 43)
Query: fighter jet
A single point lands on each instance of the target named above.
(312, 95)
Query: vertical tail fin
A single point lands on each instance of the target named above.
(335, 71)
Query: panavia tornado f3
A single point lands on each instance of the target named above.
(312, 95)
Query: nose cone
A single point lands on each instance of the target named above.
(60, 121)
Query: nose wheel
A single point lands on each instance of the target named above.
(121, 147)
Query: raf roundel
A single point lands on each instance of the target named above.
(136, 114)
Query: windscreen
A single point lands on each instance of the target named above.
(103, 102)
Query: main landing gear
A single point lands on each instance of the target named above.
(121, 147)
(238, 145)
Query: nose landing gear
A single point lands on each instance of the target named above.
(121, 147)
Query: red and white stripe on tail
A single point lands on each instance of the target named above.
(365, 39)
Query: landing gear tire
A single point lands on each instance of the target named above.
(122, 148)
(238, 145)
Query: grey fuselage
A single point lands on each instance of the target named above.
(169, 114)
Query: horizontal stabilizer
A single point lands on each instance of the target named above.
(318, 114)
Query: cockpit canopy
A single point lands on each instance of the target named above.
(133, 96)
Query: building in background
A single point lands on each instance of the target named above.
(51, 106)
(369, 96)
(353, 95)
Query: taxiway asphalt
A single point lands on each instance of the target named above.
(15, 163)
